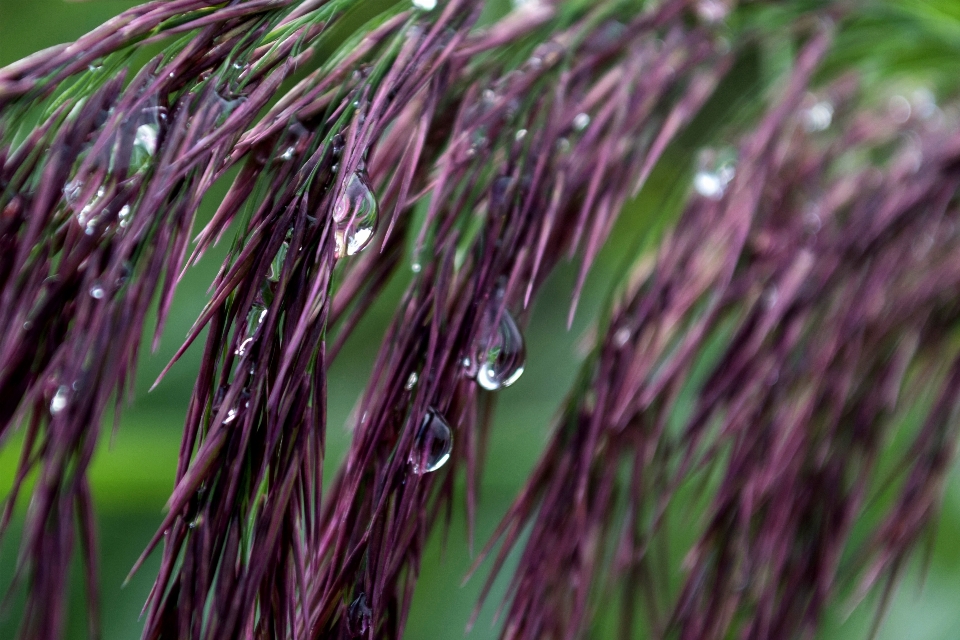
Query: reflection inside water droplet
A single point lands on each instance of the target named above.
(433, 444)
(97, 292)
(715, 170)
(59, 401)
(499, 351)
(411, 381)
(355, 212)
(818, 117)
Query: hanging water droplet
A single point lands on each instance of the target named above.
(520, 135)
(416, 267)
(355, 213)
(581, 121)
(425, 5)
(716, 169)
(71, 191)
(97, 292)
(621, 337)
(359, 616)
(124, 216)
(146, 136)
(411, 381)
(500, 352)
(276, 266)
(59, 401)
(242, 349)
(433, 444)
(818, 117)
(712, 11)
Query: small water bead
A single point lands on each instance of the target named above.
(276, 265)
(621, 337)
(124, 216)
(97, 292)
(411, 381)
(242, 349)
(231, 416)
(145, 137)
(581, 121)
(287, 154)
(356, 214)
(716, 169)
(433, 444)
(416, 267)
(712, 11)
(59, 401)
(520, 135)
(818, 117)
(425, 5)
(359, 616)
(899, 109)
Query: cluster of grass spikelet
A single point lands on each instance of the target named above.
(755, 364)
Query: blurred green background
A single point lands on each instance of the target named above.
(132, 474)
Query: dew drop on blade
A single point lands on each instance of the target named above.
(433, 444)
(356, 215)
(359, 615)
(59, 401)
(425, 5)
(411, 381)
(97, 292)
(500, 352)
(715, 171)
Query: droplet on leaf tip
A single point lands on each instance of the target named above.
(432, 445)
(59, 401)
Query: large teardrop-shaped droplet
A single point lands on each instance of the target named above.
(359, 615)
(500, 353)
(356, 214)
(433, 444)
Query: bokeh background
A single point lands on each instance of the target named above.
(133, 471)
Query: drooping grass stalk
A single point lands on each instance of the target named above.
(520, 142)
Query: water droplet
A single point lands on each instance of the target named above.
(581, 121)
(356, 214)
(715, 171)
(416, 267)
(124, 216)
(96, 65)
(146, 136)
(712, 11)
(231, 416)
(500, 356)
(71, 191)
(433, 444)
(899, 108)
(818, 117)
(196, 522)
(621, 337)
(563, 145)
(59, 401)
(242, 349)
(925, 103)
(276, 266)
(287, 154)
(359, 616)
(425, 5)
(97, 292)
(411, 381)
(520, 135)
